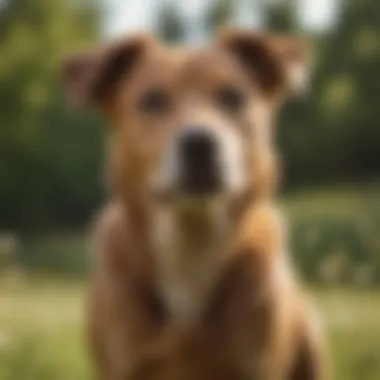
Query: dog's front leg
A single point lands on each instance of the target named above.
(309, 362)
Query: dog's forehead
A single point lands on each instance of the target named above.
(210, 65)
(172, 65)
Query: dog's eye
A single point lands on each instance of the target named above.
(154, 101)
(230, 98)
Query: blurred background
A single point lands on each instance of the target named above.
(51, 169)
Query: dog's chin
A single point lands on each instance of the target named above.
(180, 197)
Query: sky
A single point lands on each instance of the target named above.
(134, 15)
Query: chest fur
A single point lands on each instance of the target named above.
(189, 258)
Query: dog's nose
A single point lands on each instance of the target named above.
(197, 148)
(198, 161)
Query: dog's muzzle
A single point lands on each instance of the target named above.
(198, 163)
(201, 162)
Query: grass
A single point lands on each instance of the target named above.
(352, 322)
(41, 331)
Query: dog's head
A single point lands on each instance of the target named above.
(190, 124)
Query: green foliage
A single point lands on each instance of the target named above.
(55, 255)
(333, 136)
(220, 13)
(335, 236)
(170, 26)
(281, 17)
(48, 156)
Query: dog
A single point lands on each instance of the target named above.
(191, 277)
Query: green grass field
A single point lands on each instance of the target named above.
(41, 331)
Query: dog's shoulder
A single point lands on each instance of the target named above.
(112, 215)
(262, 233)
(112, 236)
(257, 263)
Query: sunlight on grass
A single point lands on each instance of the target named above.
(41, 332)
(351, 319)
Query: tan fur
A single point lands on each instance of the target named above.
(179, 290)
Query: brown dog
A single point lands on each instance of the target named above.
(191, 280)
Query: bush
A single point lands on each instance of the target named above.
(65, 255)
(335, 244)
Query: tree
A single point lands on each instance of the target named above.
(348, 94)
(37, 184)
(170, 24)
(220, 13)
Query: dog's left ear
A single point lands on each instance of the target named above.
(92, 77)
(279, 64)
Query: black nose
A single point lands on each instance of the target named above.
(198, 162)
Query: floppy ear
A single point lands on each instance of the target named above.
(92, 77)
(277, 63)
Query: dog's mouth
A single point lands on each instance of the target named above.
(191, 190)
(196, 189)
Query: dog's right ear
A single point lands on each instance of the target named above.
(279, 64)
(92, 77)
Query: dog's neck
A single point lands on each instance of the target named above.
(190, 243)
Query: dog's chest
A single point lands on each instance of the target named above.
(186, 287)
(187, 270)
